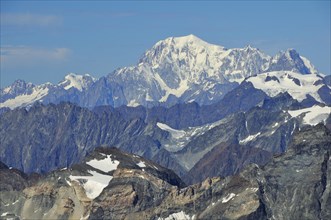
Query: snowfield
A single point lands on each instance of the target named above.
(179, 138)
(105, 165)
(228, 197)
(79, 82)
(26, 99)
(178, 216)
(249, 138)
(94, 184)
(312, 115)
(296, 84)
(176, 134)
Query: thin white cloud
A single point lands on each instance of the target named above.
(13, 56)
(28, 19)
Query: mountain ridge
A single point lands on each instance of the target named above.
(175, 70)
(139, 189)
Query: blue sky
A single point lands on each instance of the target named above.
(44, 41)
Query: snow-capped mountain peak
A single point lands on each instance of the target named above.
(249, 47)
(290, 60)
(188, 49)
(183, 41)
(19, 86)
(193, 40)
(17, 98)
(175, 70)
(191, 58)
(298, 85)
(79, 82)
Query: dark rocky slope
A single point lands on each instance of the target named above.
(44, 138)
(179, 116)
(294, 185)
(65, 133)
(240, 139)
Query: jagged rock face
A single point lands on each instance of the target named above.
(294, 185)
(12, 179)
(244, 138)
(167, 159)
(226, 159)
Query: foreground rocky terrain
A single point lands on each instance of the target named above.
(110, 184)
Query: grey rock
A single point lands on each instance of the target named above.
(294, 185)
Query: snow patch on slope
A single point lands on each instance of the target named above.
(105, 165)
(95, 183)
(312, 115)
(178, 216)
(176, 134)
(133, 103)
(228, 197)
(79, 82)
(26, 99)
(141, 164)
(179, 138)
(183, 86)
(296, 84)
(249, 138)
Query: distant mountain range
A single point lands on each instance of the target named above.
(180, 70)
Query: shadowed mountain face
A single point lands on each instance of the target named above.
(242, 98)
(53, 136)
(136, 188)
(65, 133)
